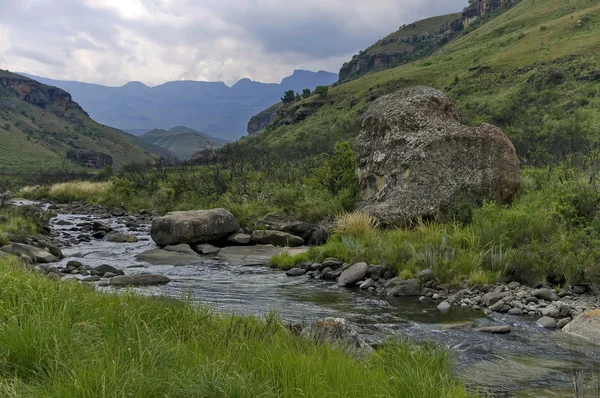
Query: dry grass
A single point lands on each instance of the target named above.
(356, 225)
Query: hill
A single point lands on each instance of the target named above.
(213, 107)
(182, 141)
(41, 125)
(532, 70)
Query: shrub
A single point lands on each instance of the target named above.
(322, 91)
(356, 225)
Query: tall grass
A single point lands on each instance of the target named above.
(17, 224)
(67, 340)
(87, 191)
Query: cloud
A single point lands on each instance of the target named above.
(153, 41)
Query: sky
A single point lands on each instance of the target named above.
(112, 42)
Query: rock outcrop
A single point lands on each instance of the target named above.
(263, 120)
(193, 227)
(416, 160)
(276, 238)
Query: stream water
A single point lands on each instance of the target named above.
(529, 361)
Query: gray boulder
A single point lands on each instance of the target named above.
(296, 272)
(494, 329)
(416, 160)
(239, 239)
(36, 254)
(276, 238)
(205, 248)
(586, 325)
(116, 237)
(193, 226)
(407, 288)
(183, 249)
(547, 322)
(339, 333)
(139, 280)
(354, 274)
(101, 270)
(444, 306)
(492, 298)
(545, 294)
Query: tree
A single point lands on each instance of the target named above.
(306, 93)
(322, 91)
(298, 98)
(288, 97)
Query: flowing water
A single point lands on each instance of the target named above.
(527, 362)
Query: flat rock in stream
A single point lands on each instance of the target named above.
(586, 325)
(494, 329)
(183, 249)
(165, 257)
(255, 255)
(36, 254)
(139, 280)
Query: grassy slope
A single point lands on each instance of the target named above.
(67, 340)
(32, 138)
(181, 141)
(530, 40)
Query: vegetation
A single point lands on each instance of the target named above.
(322, 91)
(18, 224)
(67, 340)
(288, 97)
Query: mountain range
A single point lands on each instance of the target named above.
(182, 141)
(211, 107)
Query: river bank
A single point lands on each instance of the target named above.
(529, 358)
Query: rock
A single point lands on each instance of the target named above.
(534, 300)
(164, 257)
(116, 237)
(444, 306)
(426, 275)
(276, 238)
(207, 249)
(376, 272)
(74, 264)
(367, 284)
(132, 239)
(100, 226)
(91, 279)
(296, 272)
(551, 311)
(183, 249)
(139, 280)
(117, 212)
(408, 288)
(355, 273)
(545, 294)
(105, 268)
(239, 239)
(416, 160)
(110, 275)
(492, 298)
(26, 259)
(586, 326)
(285, 223)
(460, 326)
(494, 329)
(547, 322)
(332, 263)
(515, 311)
(99, 235)
(34, 253)
(53, 276)
(193, 227)
(563, 322)
(514, 285)
(338, 332)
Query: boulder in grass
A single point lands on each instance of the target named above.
(277, 238)
(36, 254)
(339, 333)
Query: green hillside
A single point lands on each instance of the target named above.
(39, 124)
(182, 141)
(532, 70)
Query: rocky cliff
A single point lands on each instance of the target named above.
(38, 94)
(263, 120)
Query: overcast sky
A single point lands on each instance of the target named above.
(153, 41)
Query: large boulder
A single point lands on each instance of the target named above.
(276, 238)
(586, 325)
(193, 227)
(167, 257)
(352, 275)
(139, 280)
(416, 160)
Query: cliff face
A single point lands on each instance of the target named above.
(481, 8)
(263, 119)
(38, 94)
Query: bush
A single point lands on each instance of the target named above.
(356, 225)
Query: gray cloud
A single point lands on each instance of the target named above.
(153, 41)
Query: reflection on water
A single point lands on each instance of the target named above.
(527, 359)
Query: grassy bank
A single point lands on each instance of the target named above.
(551, 233)
(66, 340)
(16, 224)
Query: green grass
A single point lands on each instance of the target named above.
(18, 224)
(67, 340)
